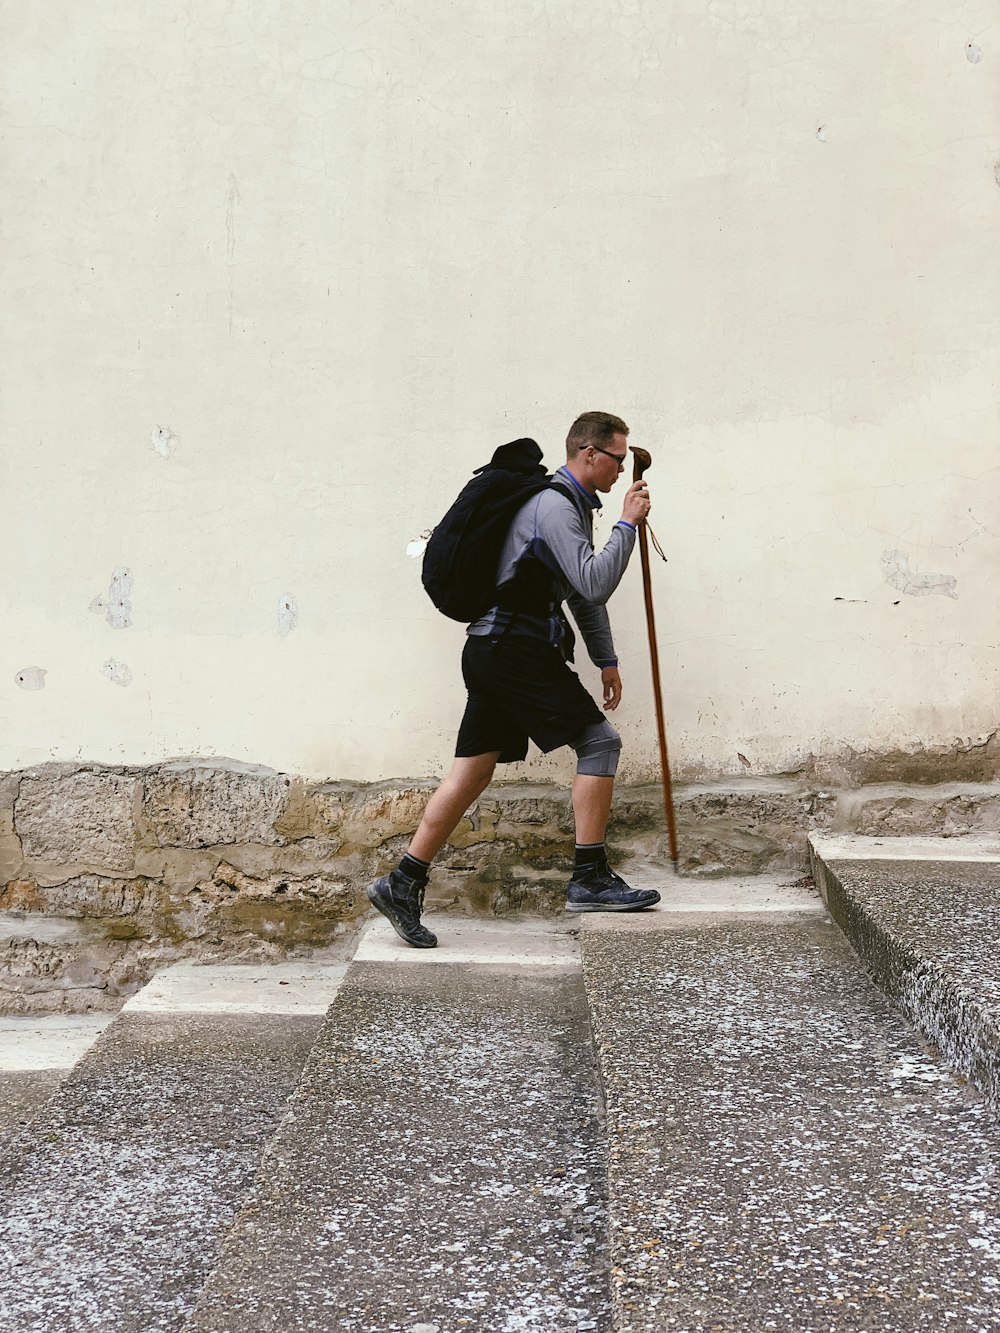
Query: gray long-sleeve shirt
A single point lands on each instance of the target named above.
(556, 526)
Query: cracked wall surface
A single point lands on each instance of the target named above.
(277, 278)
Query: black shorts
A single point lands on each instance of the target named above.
(520, 688)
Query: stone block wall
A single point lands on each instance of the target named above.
(133, 867)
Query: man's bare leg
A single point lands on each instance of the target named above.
(467, 779)
(399, 896)
(594, 887)
(591, 806)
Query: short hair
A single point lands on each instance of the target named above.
(592, 428)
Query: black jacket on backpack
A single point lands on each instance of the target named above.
(460, 561)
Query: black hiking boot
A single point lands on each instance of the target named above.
(599, 889)
(400, 899)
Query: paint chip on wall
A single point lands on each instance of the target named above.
(163, 440)
(898, 575)
(31, 678)
(973, 53)
(117, 606)
(288, 613)
(119, 673)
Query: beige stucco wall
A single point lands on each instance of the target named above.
(278, 276)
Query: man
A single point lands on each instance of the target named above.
(515, 666)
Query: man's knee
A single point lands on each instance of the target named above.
(474, 774)
(597, 749)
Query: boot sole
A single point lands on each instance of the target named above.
(379, 903)
(612, 907)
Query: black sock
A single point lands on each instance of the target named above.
(414, 867)
(590, 856)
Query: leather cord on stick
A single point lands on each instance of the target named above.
(642, 461)
(656, 545)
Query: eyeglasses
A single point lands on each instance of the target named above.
(619, 458)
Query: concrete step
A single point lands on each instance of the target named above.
(924, 916)
(114, 1199)
(36, 1054)
(785, 1152)
(441, 1165)
(780, 1149)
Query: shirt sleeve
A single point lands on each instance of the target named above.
(565, 545)
(595, 629)
(563, 542)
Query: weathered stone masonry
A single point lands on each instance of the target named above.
(108, 872)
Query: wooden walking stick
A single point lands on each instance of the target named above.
(642, 462)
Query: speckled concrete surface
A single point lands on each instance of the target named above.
(441, 1166)
(113, 1202)
(785, 1153)
(730, 894)
(22, 1093)
(928, 931)
(854, 847)
(240, 988)
(36, 1053)
(524, 942)
(48, 1041)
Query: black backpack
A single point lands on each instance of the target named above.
(462, 553)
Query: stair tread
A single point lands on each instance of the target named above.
(36, 1053)
(114, 1199)
(442, 1165)
(926, 922)
(946, 912)
(22, 1093)
(784, 1150)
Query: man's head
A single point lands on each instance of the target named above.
(596, 450)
